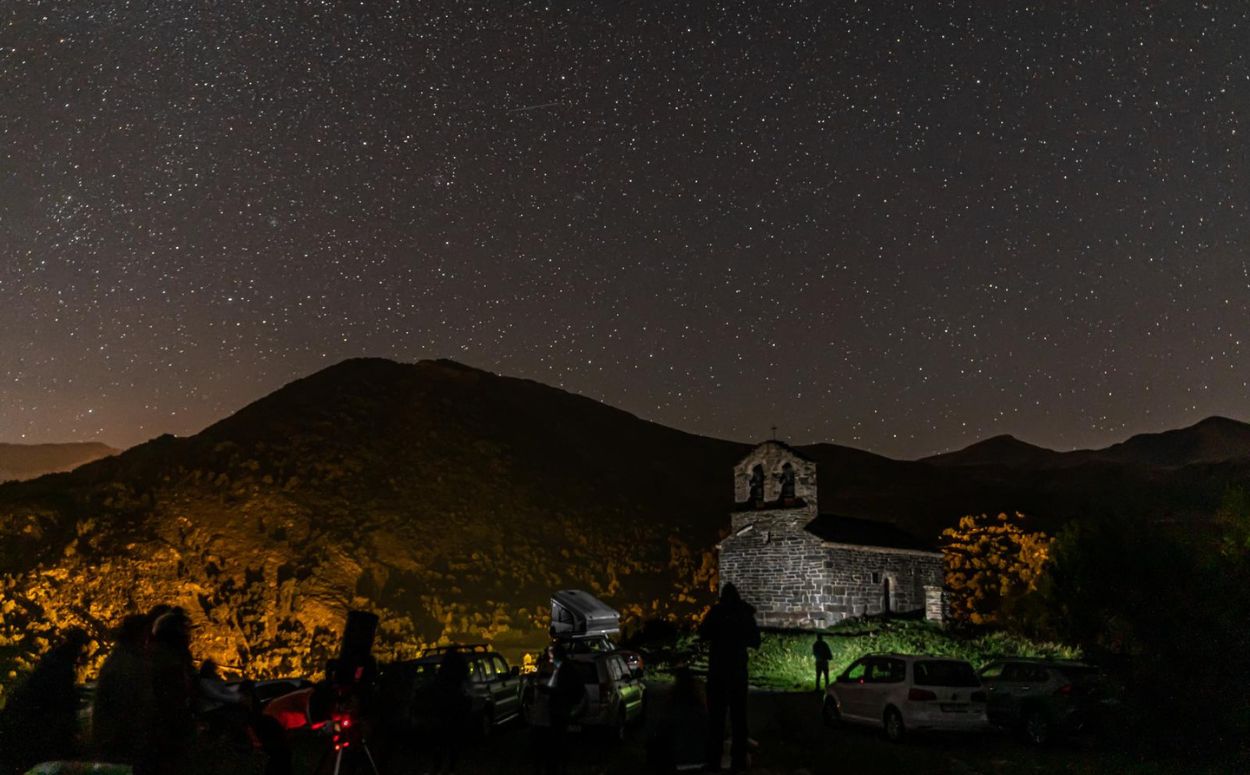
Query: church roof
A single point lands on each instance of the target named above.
(792, 450)
(838, 529)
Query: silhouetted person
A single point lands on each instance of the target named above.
(566, 690)
(538, 710)
(173, 690)
(451, 696)
(222, 709)
(121, 714)
(820, 650)
(677, 738)
(730, 629)
(40, 721)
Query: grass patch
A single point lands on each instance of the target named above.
(784, 659)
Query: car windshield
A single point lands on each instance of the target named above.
(946, 672)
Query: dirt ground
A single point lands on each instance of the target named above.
(792, 739)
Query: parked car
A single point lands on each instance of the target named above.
(495, 688)
(585, 624)
(902, 693)
(615, 697)
(1042, 699)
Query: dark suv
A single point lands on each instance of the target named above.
(1041, 698)
(495, 688)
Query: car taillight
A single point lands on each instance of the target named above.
(978, 696)
(1065, 690)
(921, 695)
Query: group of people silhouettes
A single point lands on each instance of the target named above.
(149, 703)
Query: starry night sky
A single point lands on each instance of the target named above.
(898, 226)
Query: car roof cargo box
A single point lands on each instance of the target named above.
(576, 613)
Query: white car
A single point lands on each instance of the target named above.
(902, 693)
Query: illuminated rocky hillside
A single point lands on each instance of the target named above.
(451, 501)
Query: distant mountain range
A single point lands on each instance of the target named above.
(1213, 440)
(27, 461)
(453, 501)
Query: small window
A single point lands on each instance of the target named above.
(757, 484)
(992, 671)
(884, 671)
(945, 672)
(787, 482)
(857, 671)
(485, 670)
(616, 668)
(876, 577)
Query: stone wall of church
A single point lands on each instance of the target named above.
(859, 579)
(778, 571)
(795, 580)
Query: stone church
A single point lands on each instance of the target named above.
(804, 569)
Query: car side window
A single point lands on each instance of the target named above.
(615, 668)
(857, 671)
(898, 670)
(485, 671)
(501, 667)
(993, 671)
(878, 671)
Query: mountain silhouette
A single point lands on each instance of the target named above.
(1213, 440)
(1004, 450)
(28, 461)
(453, 501)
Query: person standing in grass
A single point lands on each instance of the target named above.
(820, 650)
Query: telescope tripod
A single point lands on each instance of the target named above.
(339, 752)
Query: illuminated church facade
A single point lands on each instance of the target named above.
(807, 570)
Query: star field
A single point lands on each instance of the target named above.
(899, 226)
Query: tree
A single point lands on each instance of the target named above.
(1233, 517)
(991, 561)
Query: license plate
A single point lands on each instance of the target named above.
(948, 708)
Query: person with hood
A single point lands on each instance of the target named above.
(40, 721)
(729, 629)
(121, 714)
(174, 683)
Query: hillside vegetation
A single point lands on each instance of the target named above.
(452, 502)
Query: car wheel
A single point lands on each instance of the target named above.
(895, 730)
(829, 713)
(1037, 728)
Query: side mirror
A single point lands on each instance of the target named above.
(514, 671)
